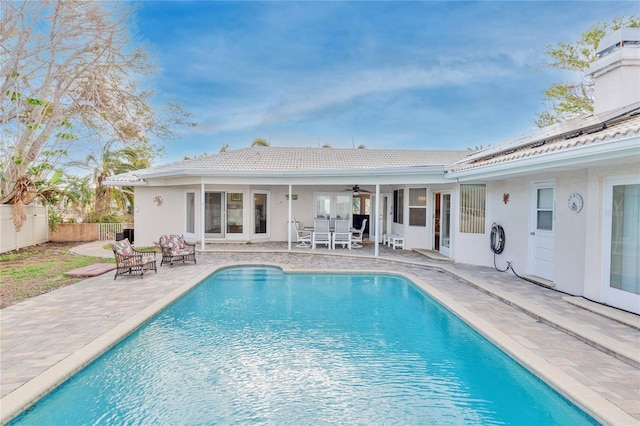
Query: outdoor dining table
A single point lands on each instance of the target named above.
(310, 228)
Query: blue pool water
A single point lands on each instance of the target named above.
(257, 346)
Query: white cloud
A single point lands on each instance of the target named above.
(313, 94)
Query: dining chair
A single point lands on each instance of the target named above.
(342, 234)
(321, 233)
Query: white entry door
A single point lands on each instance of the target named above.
(542, 230)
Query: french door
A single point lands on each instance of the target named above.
(621, 276)
(442, 223)
(190, 215)
(214, 208)
(445, 224)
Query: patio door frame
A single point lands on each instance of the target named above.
(265, 215)
(618, 298)
(444, 226)
(190, 214)
(222, 215)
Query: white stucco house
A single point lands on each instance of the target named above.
(566, 196)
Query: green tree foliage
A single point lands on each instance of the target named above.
(569, 99)
(109, 163)
(259, 142)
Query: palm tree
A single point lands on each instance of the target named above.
(64, 194)
(77, 196)
(259, 142)
(110, 163)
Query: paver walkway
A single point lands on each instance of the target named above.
(45, 336)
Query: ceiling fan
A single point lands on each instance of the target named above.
(356, 190)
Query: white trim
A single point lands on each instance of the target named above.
(365, 176)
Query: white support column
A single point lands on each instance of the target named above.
(202, 216)
(289, 221)
(377, 223)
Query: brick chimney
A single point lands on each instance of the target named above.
(616, 71)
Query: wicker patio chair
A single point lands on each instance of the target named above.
(175, 249)
(130, 261)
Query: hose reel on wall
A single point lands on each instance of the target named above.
(497, 238)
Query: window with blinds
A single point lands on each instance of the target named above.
(417, 206)
(472, 208)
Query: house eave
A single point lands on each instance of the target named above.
(626, 148)
(139, 182)
(433, 174)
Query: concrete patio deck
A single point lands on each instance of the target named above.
(588, 352)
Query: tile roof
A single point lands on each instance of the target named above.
(592, 131)
(274, 159)
(588, 130)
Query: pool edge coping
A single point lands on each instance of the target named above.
(602, 410)
(22, 398)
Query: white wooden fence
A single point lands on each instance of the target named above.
(35, 230)
(108, 231)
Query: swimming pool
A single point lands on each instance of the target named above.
(255, 345)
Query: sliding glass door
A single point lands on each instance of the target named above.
(235, 213)
(213, 214)
(260, 208)
(190, 215)
(621, 280)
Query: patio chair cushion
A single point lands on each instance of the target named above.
(129, 261)
(181, 251)
(123, 247)
(175, 248)
(172, 241)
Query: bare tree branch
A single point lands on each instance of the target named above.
(68, 72)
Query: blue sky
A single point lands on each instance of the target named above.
(404, 75)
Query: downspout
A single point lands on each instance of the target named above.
(202, 216)
(289, 221)
(377, 219)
